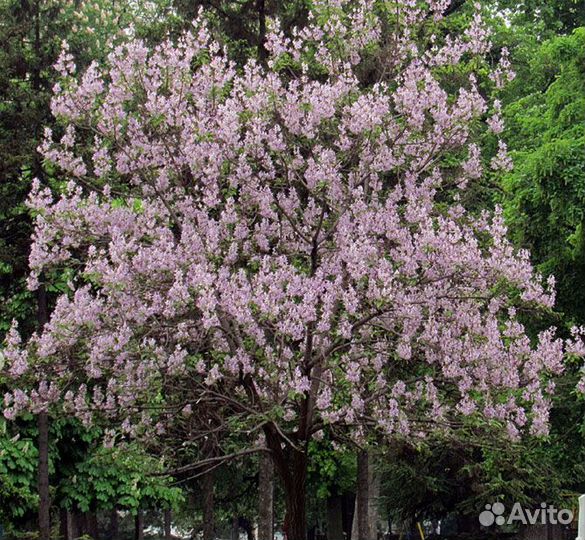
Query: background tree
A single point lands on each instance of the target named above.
(547, 187)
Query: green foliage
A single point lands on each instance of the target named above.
(546, 16)
(460, 476)
(122, 477)
(545, 203)
(18, 465)
(332, 470)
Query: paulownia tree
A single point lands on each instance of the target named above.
(283, 247)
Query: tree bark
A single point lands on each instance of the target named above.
(354, 521)
(43, 480)
(114, 525)
(373, 498)
(93, 527)
(76, 525)
(347, 511)
(334, 518)
(168, 522)
(208, 506)
(362, 496)
(235, 528)
(43, 427)
(139, 525)
(261, 9)
(81, 524)
(266, 498)
(246, 524)
(249, 531)
(66, 525)
(295, 497)
(291, 465)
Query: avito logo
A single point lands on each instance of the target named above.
(496, 514)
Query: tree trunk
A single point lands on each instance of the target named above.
(43, 479)
(373, 499)
(354, 521)
(139, 525)
(43, 426)
(93, 527)
(208, 506)
(347, 511)
(334, 518)
(235, 528)
(114, 525)
(261, 8)
(82, 524)
(291, 465)
(295, 497)
(66, 525)
(168, 522)
(246, 524)
(76, 525)
(266, 498)
(296, 516)
(361, 501)
(249, 531)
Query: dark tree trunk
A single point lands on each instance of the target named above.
(266, 498)
(36, 67)
(139, 525)
(82, 526)
(347, 511)
(291, 465)
(373, 498)
(93, 528)
(66, 525)
(261, 9)
(43, 485)
(63, 525)
(43, 426)
(334, 518)
(208, 506)
(168, 521)
(249, 531)
(295, 497)
(114, 525)
(362, 496)
(76, 525)
(246, 524)
(235, 528)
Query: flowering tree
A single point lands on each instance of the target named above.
(284, 246)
